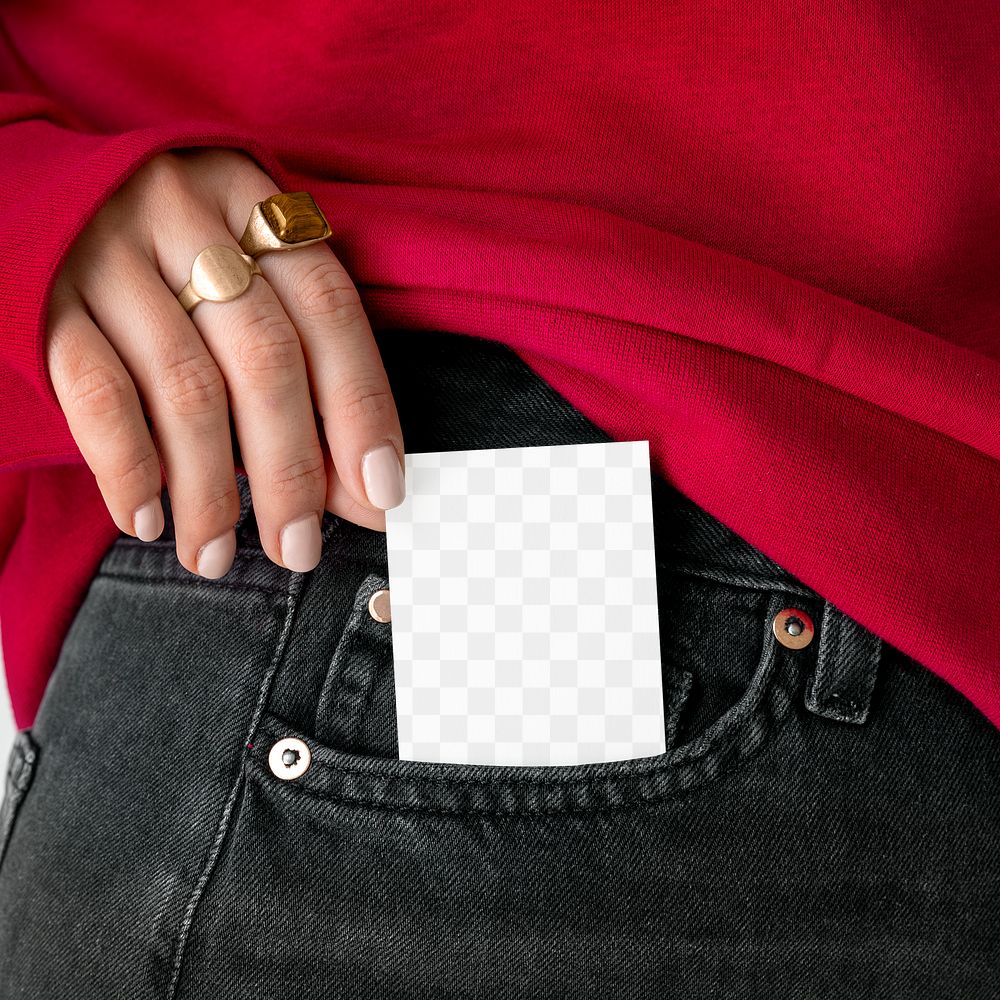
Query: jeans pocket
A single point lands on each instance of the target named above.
(353, 751)
(21, 764)
(356, 710)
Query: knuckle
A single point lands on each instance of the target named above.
(323, 292)
(165, 176)
(362, 397)
(96, 390)
(268, 346)
(222, 504)
(191, 384)
(244, 176)
(136, 473)
(307, 475)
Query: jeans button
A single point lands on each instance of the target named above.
(289, 758)
(793, 628)
(378, 606)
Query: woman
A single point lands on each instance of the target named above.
(735, 234)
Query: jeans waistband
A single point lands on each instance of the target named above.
(689, 541)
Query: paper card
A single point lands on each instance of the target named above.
(524, 612)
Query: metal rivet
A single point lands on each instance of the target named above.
(289, 758)
(793, 628)
(378, 606)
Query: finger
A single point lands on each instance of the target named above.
(185, 395)
(257, 350)
(104, 415)
(346, 376)
(342, 503)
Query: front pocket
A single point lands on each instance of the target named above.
(356, 710)
(21, 764)
(354, 758)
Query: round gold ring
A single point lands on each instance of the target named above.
(285, 221)
(218, 274)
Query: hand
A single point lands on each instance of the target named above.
(120, 346)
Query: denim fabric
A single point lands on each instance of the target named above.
(825, 821)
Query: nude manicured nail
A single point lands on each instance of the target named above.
(216, 557)
(383, 476)
(301, 544)
(147, 521)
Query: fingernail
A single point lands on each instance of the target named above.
(301, 543)
(147, 521)
(383, 476)
(216, 557)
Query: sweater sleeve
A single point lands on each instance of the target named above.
(54, 177)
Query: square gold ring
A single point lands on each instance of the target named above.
(284, 222)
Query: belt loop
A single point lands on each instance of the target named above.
(846, 665)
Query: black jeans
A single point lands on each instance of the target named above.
(825, 822)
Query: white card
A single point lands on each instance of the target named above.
(524, 613)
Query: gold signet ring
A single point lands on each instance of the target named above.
(284, 221)
(218, 274)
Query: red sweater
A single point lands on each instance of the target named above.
(763, 239)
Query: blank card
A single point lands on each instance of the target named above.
(524, 612)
